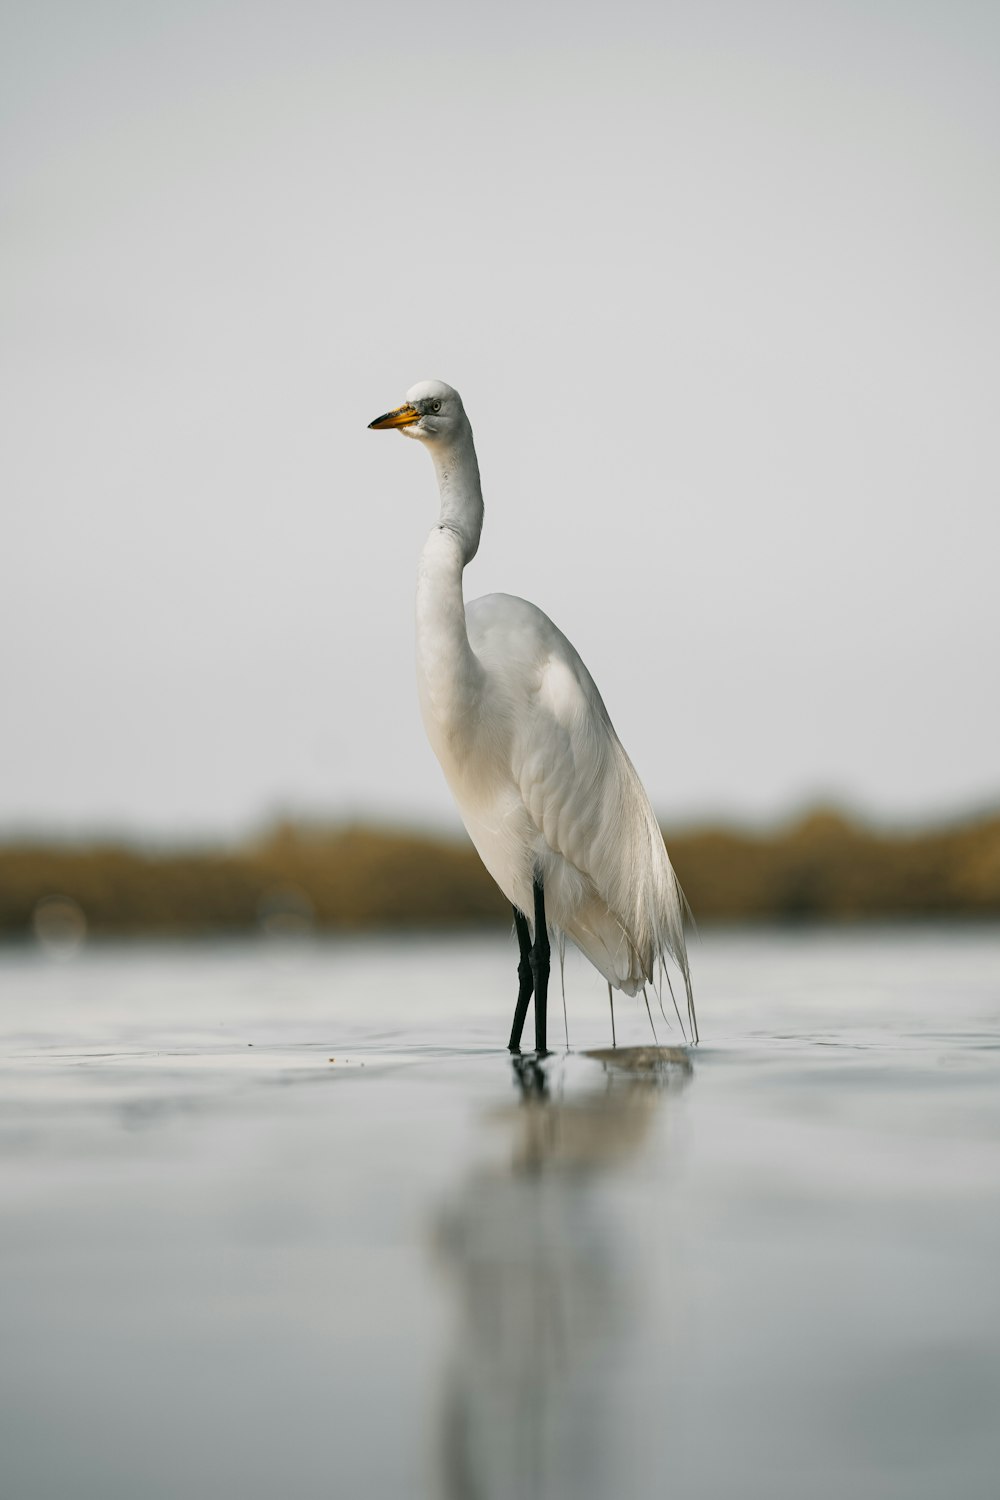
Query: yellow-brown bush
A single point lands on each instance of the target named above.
(823, 867)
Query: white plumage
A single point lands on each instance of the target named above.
(542, 782)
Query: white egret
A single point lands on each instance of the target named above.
(550, 799)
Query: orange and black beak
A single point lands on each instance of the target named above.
(403, 416)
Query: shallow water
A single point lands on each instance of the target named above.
(285, 1220)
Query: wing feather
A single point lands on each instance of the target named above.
(608, 880)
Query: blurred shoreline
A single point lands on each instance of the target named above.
(295, 878)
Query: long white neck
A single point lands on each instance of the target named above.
(449, 673)
(457, 470)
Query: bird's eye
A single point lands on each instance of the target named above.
(435, 406)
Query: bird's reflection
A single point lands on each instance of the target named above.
(544, 1278)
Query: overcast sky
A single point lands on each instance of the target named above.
(719, 286)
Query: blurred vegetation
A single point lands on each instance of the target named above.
(825, 867)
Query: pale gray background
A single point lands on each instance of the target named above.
(718, 283)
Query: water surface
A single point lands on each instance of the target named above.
(284, 1219)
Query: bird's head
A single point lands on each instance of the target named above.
(432, 412)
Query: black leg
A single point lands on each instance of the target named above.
(540, 968)
(525, 980)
